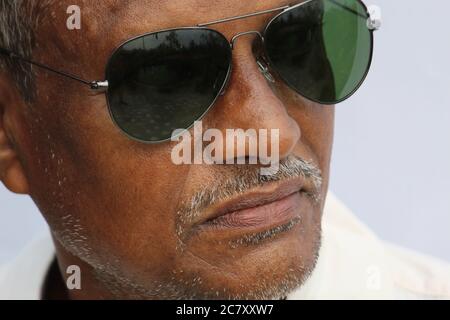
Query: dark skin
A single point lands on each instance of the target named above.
(110, 201)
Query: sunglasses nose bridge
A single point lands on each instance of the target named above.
(261, 63)
(246, 33)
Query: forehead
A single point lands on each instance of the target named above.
(160, 10)
(108, 23)
(136, 16)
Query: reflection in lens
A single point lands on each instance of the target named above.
(322, 49)
(166, 81)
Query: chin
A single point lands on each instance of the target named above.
(242, 264)
(271, 268)
(260, 259)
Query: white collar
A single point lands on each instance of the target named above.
(352, 263)
(24, 278)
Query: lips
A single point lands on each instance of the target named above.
(265, 207)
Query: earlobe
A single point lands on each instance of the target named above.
(15, 180)
(12, 173)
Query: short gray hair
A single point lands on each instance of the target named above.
(18, 21)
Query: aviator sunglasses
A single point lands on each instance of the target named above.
(166, 80)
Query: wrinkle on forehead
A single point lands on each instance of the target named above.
(106, 24)
(117, 15)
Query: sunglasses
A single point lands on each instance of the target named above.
(167, 80)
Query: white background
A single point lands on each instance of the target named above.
(392, 151)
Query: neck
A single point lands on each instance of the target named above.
(61, 282)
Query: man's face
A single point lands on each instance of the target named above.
(139, 225)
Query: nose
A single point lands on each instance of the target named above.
(250, 103)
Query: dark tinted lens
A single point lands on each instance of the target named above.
(322, 49)
(166, 81)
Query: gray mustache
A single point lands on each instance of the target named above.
(244, 179)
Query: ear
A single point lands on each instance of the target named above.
(12, 173)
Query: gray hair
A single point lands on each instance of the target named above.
(18, 21)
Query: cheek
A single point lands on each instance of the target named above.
(120, 208)
(316, 123)
(128, 195)
(107, 199)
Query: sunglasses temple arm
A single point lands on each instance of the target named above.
(95, 85)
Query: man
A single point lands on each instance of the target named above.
(129, 222)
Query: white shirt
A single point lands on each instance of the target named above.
(353, 264)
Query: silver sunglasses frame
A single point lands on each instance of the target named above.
(264, 66)
(373, 24)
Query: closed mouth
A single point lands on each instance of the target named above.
(260, 209)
